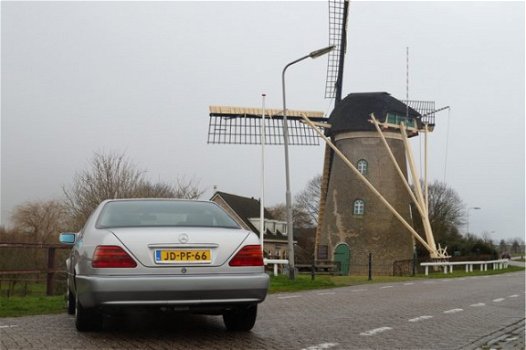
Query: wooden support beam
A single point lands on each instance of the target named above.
(397, 167)
(426, 133)
(323, 196)
(416, 183)
(420, 205)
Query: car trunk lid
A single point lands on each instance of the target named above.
(185, 246)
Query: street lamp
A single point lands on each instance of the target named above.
(470, 208)
(313, 54)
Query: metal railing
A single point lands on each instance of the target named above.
(448, 265)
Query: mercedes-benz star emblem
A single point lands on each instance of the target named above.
(183, 238)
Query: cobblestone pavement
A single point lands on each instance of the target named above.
(511, 337)
(485, 312)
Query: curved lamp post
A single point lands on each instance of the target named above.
(471, 208)
(290, 239)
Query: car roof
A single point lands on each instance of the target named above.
(156, 199)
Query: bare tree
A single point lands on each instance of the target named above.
(486, 237)
(305, 208)
(184, 189)
(43, 220)
(308, 200)
(278, 211)
(515, 246)
(108, 176)
(148, 190)
(187, 189)
(503, 247)
(300, 218)
(446, 215)
(446, 211)
(114, 176)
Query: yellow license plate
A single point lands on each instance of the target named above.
(182, 255)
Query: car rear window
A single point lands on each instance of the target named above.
(163, 213)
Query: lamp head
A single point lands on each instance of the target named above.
(321, 52)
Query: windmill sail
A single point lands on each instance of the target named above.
(240, 125)
(338, 13)
(338, 10)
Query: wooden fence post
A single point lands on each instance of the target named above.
(50, 270)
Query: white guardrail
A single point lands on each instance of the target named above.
(448, 265)
(276, 262)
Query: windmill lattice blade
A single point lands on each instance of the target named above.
(425, 108)
(336, 28)
(239, 125)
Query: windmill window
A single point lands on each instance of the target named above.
(362, 166)
(323, 252)
(359, 207)
(398, 119)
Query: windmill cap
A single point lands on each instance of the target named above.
(353, 112)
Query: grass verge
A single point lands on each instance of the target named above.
(304, 282)
(463, 273)
(31, 305)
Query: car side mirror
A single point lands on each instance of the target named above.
(67, 238)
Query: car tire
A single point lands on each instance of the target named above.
(70, 302)
(240, 319)
(87, 319)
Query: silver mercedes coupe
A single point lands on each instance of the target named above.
(181, 255)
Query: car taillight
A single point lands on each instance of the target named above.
(109, 256)
(249, 255)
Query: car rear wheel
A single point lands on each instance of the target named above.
(70, 303)
(240, 319)
(87, 319)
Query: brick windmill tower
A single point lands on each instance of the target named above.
(354, 221)
(365, 191)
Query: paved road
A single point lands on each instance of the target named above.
(463, 313)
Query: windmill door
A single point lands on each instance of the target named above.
(342, 256)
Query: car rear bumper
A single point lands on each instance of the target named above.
(171, 290)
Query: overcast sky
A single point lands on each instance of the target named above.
(138, 77)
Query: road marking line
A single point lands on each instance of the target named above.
(513, 296)
(10, 326)
(409, 284)
(327, 293)
(498, 300)
(429, 282)
(358, 290)
(375, 331)
(321, 346)
(478, 304)
(384, 287)
(420, 318)
(453, 311)
(290, 296)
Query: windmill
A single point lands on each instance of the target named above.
(367, 209)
